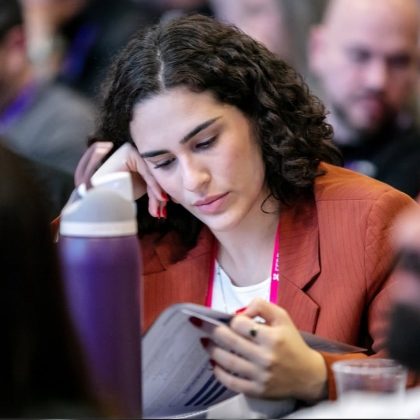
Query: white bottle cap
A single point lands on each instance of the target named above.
(99, 213)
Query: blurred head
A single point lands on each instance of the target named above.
(12, 49)
(365, 56)
(263, 20)
(404, 334)
(202, 56)
(53, 12)
(41, 363)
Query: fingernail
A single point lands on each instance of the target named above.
(240, 310)
(164, 212)
(165, 196)
(195, 321)
(158, 213)
(204, 342)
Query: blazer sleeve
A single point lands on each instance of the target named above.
(379, 282)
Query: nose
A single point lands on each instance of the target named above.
(195, 175)
(376, 75)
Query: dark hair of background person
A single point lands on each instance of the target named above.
(42, 367)
(10, 16)
(204, 55)
(55, 193)
(95, 34)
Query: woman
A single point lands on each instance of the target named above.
(43, 373)
(244, 201)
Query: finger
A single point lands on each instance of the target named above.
(205, 325)
(153, 204)
(233, 363)
(228, 339)
(118, 161)
(251, 330)
(137, 163)
(163, 211)
(271, 313)
(236, 383)
(90, 161)
(127, 159)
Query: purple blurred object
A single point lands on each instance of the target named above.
(101, 263)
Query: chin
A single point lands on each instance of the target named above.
(221, 222)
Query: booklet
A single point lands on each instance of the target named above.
(178, 380)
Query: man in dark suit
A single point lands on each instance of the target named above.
(364, 55)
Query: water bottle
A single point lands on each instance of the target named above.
(101, 263)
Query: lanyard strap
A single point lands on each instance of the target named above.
(275, 271)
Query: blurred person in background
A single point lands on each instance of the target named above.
(74, 41)
(171, 9)
(264, 20)
(43, 373)
(41, 121)
(404, 333)
(281, 25)
(365, 57)
(56, 185)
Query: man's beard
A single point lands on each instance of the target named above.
(404, 335)
(363, 134)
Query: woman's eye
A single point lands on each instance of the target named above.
(163, 164)
(206, 143)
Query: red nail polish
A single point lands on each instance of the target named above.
(204, 342)
(197, 322)
(165, 196)
(240, 310)
(164, 212)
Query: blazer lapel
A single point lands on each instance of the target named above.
(168, 283)
(299, 263)
(187, 280)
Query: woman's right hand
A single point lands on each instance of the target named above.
(125, 159)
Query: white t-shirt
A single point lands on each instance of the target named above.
(229, 298)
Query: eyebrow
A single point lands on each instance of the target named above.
(185, 139)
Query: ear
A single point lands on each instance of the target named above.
(316, 48)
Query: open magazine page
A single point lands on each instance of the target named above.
(177, 377)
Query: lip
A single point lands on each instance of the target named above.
(210, 204)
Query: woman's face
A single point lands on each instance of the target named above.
(203, 154)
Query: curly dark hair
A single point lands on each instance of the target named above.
(205, 55)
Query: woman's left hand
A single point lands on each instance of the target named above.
(268, 360)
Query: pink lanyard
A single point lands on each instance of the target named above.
(275, 272)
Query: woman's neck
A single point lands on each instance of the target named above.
(246, 252)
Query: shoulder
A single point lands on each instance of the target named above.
(340, 184)
(161, 253)
(58, 98)
(357, 203)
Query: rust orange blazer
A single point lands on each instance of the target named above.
(335, 262)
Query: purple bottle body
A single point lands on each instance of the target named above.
(103, 290)
(102, 275)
